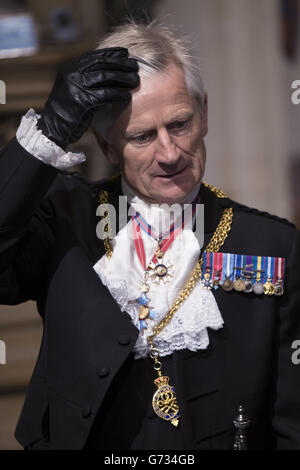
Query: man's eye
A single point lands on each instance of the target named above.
(143, 138)
(178, 125)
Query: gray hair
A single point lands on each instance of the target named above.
(154, 46)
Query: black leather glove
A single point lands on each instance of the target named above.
(97, 78)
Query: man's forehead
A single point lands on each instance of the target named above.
(164, 113)
(168, 85)
(161, 93)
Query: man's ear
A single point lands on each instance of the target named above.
(107, 149)
(204, 117)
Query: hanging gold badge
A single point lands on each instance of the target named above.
(164, 401)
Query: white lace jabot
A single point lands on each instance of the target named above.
(123, 274)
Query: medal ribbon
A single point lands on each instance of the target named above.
(238, 261)
(228, 262)
(139, 223)
(257, 268)
(279, 269)
(217, 266)
(232, 266)
(249, 265)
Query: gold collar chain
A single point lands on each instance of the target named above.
(164, 400)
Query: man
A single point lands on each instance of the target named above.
(213, 326)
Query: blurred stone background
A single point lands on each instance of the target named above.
(249, 54)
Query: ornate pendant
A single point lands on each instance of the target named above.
(161, 273)
(164, 401)
(161, 270)
(206, 282)
(143, 312)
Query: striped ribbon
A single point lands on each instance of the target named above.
(232, 266)
(139, 224)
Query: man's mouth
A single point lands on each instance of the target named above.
(172, 175)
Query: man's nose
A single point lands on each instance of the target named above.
(167, 150)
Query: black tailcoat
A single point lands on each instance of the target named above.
(48, 247)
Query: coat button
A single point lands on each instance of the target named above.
(103, 372)
(86, 411)
(124, 340)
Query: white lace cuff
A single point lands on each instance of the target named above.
(34, 142)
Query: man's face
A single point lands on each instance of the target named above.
(158, 140)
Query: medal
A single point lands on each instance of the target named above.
(211, 270)
(227, 285)
(227, 272)
(216, 279)
(161, 273)
(164, 401)
(217, 269)
(207, 283)
(258, 287)
(243, 273)
(145, 311)
(248, 274)
(269, 289)
(239, 284)
(248, 287)
(279, 272)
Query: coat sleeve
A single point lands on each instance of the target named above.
(286, 418)
(26, 223)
